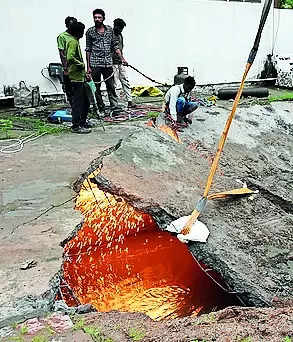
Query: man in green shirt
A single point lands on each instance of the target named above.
(77, 77)
(61, 43)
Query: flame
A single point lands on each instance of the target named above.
(173, 134)
(121, 260)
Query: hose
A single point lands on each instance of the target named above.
(49, 79)
(19, 144)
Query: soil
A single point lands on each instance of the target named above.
(232, 324)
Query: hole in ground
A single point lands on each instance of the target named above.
(120, 260)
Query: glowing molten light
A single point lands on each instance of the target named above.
(173, 134)
(120, 260)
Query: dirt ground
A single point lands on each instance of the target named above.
(232, 324)
(32, 181)
(39, 178)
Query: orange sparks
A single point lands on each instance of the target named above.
(121, 260)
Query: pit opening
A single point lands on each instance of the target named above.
(121, 260)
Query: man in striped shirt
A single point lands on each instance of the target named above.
(100, 45)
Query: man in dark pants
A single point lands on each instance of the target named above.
(100, 45)
(61, 43)
(77, 76)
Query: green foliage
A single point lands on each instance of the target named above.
(40, 126)
(286, 4)
(50, 331)
(40, 339)
(287, 339)
(205, 319)
(6, 126)
(285, 97)
(94, 332)
(16, 339)
(23, 330)
(246, 339)
(14, 325)
(28, 125)
(79, 324)
(136, 334)
(153, 114)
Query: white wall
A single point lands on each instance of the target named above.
(282, 26)
(213, 38)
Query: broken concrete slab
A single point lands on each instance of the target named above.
(23, 309)
(166, 179)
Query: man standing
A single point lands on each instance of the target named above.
(77, 76)
(61, 43)
(177, 101)
(100, 45)
(119, 68)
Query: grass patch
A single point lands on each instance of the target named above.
(205, 319)
(14, 324)
(40, 339)
(284, 97)
(78, 324)
(94, 332)
(49, 330)
(151, 114)
(9, 127)
(5, 127)
(136, 334)
(39, 125)
(16, 339)
(23, 330)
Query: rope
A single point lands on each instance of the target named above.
(106, 79)
(19, 143)
(147, 77)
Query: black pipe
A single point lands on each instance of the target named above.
(230, 93)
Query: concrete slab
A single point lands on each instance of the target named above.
(33, 181)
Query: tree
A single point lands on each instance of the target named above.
(285, 4)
